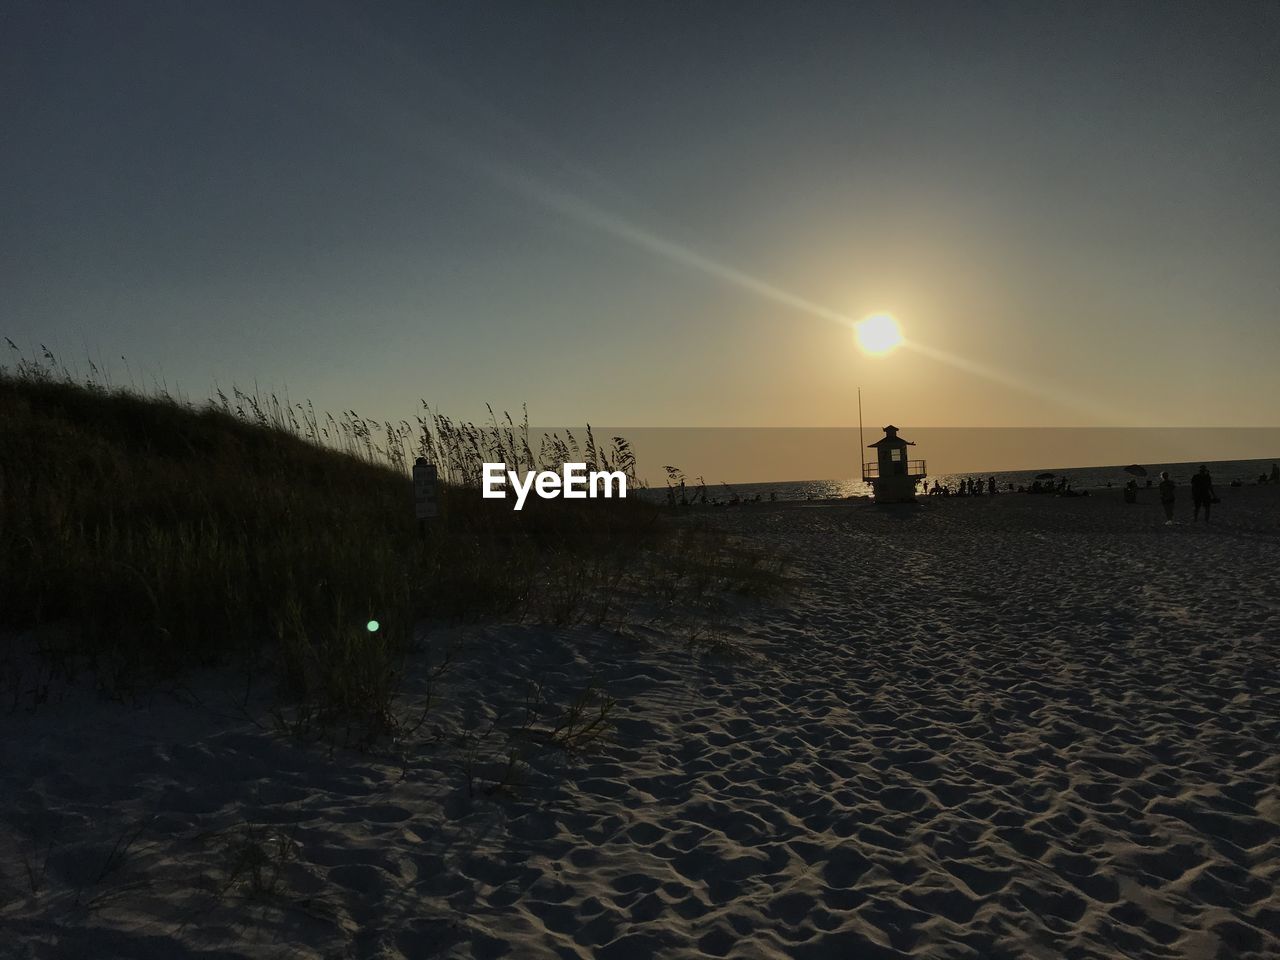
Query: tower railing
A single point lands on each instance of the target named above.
(914, 468)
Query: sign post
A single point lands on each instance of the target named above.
(425, 503)
(862, 451)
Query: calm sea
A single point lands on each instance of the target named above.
(1081, 478)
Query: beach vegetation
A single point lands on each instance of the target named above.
(255, 858)
(143, 535)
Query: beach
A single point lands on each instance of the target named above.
(1011, 726)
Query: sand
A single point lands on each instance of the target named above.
(1016, 727)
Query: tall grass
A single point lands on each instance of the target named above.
(142, 535)
(456, 447)
(146, 535)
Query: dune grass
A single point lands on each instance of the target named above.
(141, 537)
(172, 537)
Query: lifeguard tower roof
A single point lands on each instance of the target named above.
(891, 439)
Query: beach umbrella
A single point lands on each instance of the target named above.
(1136, 470)
(1044, 476)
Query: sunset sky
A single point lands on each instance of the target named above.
(656, 213)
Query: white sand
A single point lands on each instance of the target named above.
(1020, 727)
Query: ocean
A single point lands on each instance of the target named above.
(1224, 472)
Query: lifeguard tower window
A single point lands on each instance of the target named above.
(899, 454)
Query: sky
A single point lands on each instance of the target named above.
(655, 214)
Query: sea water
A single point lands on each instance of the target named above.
(1224, 472)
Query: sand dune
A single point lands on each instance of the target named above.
(1018, 727)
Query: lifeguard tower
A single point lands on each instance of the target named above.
(892, 476)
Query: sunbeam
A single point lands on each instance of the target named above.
(471, 159)
(581, 211)
(1067, 401)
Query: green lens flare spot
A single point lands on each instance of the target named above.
(372, 626)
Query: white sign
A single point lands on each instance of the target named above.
(424, 490)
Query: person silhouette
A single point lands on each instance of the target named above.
(1202, 492)
(1167, 488)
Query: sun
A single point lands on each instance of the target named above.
(878, 334)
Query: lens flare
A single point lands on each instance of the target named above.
(878, 334)
(372, 626)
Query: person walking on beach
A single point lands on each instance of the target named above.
(1202, 492)
(1167, 487)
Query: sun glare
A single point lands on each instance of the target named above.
(878, 334)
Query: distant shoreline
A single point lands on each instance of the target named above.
(782, 455)
(1090, 478)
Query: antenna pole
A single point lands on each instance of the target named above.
(862, 451)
